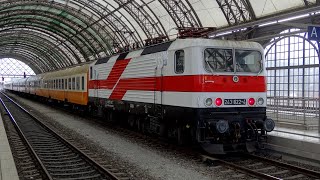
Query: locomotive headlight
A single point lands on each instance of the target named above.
(222, 126)
(251, 101)
(260, 101)
(208, 102)
(218, 102)
(268, 125)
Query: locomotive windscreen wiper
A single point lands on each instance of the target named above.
(209, 65)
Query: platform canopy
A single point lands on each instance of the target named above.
(54, 34)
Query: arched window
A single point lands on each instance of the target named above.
(292, 64)
(12, 68)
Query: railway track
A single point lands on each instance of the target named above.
(241, 166)
(264, 168)
(48, 155)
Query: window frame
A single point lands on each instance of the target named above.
(175, 61)
(221, 48)
(82, 83)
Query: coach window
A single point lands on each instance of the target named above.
(73, 83)
(179, 62)
(69, 84)
(90, 72)
(66, 83)
(78, 83)
(62, 83)
(82, 82)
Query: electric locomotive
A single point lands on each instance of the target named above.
(212, 92)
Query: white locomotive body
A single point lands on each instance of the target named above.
(213, 90)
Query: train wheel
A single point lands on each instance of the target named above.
(110, 116)
(193, 134)
(139, 123)
(181, 135)
(163, 130)
(131, 121)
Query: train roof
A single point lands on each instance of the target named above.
(182, 44)
(36, 77)
(67, 72)
(19, 80)
(199, 42)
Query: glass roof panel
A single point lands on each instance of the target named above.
(209, 13)
(268, 7)
(113, 24)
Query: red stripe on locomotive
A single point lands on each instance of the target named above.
(117, 70)
(191, 83)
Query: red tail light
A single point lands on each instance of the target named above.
(251, 101)
(218, 102)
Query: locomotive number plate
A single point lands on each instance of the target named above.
(235, 101)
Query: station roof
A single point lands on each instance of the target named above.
(54, 34)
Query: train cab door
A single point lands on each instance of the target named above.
(161, 62)
(96, 85)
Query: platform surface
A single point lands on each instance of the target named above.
(301, 143)
(8, 169)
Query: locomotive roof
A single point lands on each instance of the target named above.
(181, 44)
(185, 43)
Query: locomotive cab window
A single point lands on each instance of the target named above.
(248, 61)
(179, 61)
(218, 60)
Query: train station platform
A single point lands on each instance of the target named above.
(8, 169)
(293, 143)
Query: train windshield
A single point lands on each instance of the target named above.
(248, 61)
(222, 60)
(218, 60)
